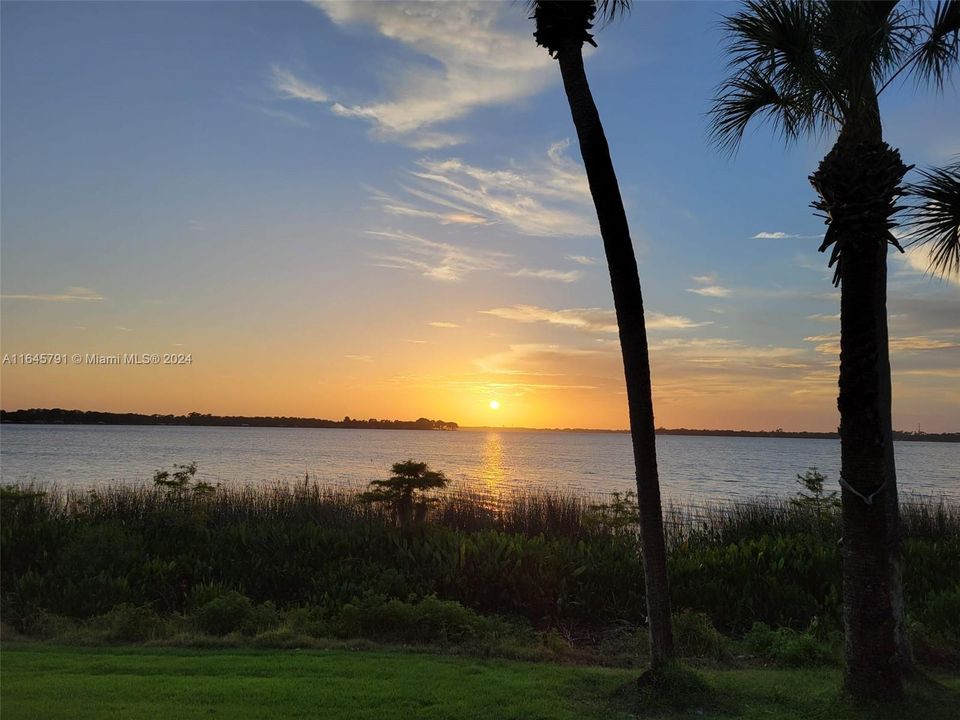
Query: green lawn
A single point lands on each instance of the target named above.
(39, 681)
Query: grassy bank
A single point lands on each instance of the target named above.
(142, 563)
(155, 684)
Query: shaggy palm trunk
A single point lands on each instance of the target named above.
(858, 182)
(628, 301)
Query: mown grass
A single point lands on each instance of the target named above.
(158, 683)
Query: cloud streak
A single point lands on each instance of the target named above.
(548, 198)
(714, 291)
(70, 294)
(436, 260)
(780, 235)
(589, 319)
(291, 87)
(566, 276)
(472, 57)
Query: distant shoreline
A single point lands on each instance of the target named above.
(898, 435)
(57, 416)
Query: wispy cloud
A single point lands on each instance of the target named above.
(290, 86)
(830, 344)
(658, 321)
(720, 351)
(593, 319)
(710, 289)
(826, 344)
(476, 57)
(549, 197)
(437, 260)
(918, 259)
(714, 291)
(538, 360)
(442, 324)
(779, 235)
(70, 294)
(567, 276)
(581, 259)
(920, 343)
(393, 206)
(283, 115)
(589, 319)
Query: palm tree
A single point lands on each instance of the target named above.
(810, 66)
(935, 217)
(562, 28)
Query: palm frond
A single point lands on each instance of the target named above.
(868, 44)
(935, 217)
(777, 36)
(610, 10)
(750, 95)
(777, 72)
(939, 50)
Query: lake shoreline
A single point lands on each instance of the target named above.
(320, 424)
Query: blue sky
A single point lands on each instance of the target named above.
(377, 210)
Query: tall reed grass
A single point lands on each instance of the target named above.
(552, 558)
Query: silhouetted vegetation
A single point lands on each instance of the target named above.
(406, 492)
(808, 68)
(561, 29)
(567, 567)
(91, 417)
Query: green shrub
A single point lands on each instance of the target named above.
(695, 636)
(46, 626)
(942, 613)
(129, 623)
(233, 612)
(787, 648)
(310, 621)
(428, 621)
(931, 647)
(202, 593)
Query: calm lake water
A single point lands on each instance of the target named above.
(691, 468)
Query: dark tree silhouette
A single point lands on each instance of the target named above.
(406, 492)
(812, 66)
(935, 217)
(562, 27)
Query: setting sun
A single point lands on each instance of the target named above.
(494, 404)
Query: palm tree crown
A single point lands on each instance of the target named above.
(561, 22)
(810, 65)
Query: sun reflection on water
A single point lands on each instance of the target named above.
(492, 471)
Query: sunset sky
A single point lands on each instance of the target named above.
(378, 210)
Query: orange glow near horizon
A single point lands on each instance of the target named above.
(575, 390)
(474, 368)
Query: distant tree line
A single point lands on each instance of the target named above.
(897, 434)
(92, 417)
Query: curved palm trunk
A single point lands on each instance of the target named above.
(628, 301)
(858, 182)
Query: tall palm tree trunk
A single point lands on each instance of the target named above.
(858, 183)
(628, 301)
